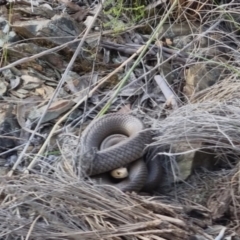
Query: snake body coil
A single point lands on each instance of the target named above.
(127, 152)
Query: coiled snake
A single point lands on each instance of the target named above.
(127, 150)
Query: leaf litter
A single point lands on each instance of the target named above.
(65, 62)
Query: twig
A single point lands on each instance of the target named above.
(55, 49)
(38, 55)
(144, 49)
(221, 234)
(103, 80)
(167, 92)
(61, 82)
(32, 227)
(11, 150)
(172, 220)
(131, 48)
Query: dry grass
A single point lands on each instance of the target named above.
(62, 206)
(212, 118)
(57, 204)
(218, 192)
(40, 207)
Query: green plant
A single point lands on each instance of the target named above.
(119, 10)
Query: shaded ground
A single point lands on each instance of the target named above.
(174, 65)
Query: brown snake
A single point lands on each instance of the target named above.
(128, 151)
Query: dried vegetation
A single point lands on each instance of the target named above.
(57, 83)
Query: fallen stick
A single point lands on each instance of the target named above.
(167, 92)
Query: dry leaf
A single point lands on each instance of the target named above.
(20, 93)
(30, 82)
(45, 91)
(15, 82)
(54, 111)
(40, 91)
(125, 109)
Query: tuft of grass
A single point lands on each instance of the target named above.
(133, 12)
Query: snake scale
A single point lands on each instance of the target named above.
(127, 151)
